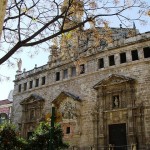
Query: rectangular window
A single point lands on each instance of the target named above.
(19, 88)
(25, 86)
(73, 71)
(123, 58)
(43, 80)
(68, 130)
(82, 69)
(31, 84)
(134, 54)
(57, 76)
(101, 63)
(36, 82)
(111, 60)
(65, 75)
(146, 52)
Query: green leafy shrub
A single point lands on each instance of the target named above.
(9, 139)
(41, 138)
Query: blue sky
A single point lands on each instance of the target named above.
(42, 58)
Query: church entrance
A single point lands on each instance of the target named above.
(117, 136)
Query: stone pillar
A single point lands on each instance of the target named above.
(106, 61)
(128, 55)
(69, 72)
(117, 59)
(100, 133)
(28, 84)
(61, 75)
(85, 67)
(34, 83)
(146, 123)
(130, 104)
(140, 53)
(77, 70)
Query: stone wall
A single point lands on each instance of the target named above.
(82, 85)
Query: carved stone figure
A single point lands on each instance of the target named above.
(19, 63)
(116, 102)
(68, 110)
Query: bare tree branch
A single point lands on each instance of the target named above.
(31, 23)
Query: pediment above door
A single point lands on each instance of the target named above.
(68, 105)
(31, 99)
(113, 79)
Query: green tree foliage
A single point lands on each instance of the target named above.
(41, 136)
(9, 140)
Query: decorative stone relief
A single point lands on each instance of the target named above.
(68, 110)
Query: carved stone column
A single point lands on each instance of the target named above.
(101, 118)
(130, 120)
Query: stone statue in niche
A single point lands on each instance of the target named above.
(32, 115)
(115, 101)
(19, 64)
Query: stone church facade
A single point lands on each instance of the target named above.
(106, 101)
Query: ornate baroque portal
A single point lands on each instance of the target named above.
(116, 103)
(32, 110)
